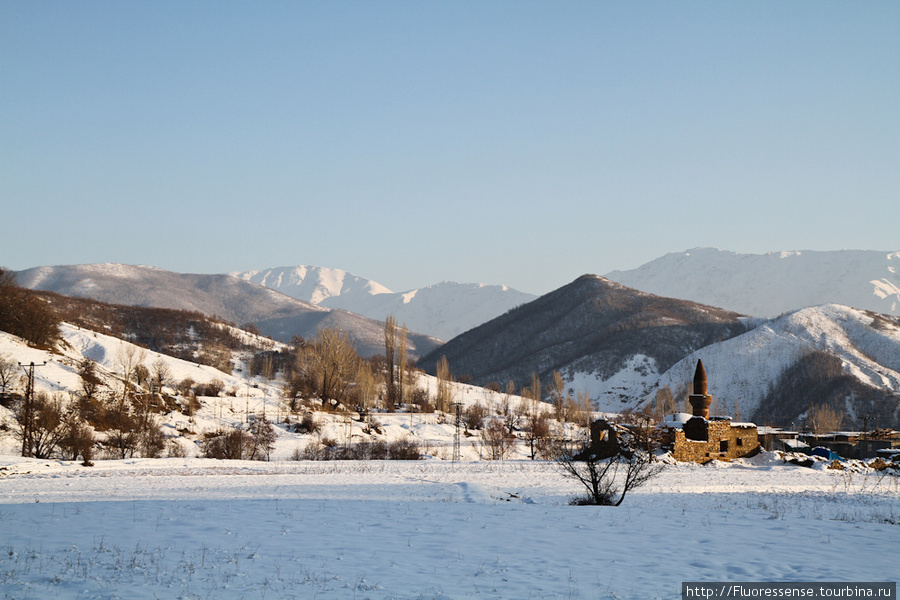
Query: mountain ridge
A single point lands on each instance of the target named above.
(590, 329)
(443, 310)
(229, 298)
(768, 285)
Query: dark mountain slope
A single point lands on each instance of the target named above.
(593, 326)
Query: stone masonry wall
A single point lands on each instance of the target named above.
(725, 443)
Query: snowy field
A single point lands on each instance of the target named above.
(196, 529)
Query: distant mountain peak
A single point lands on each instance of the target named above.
(767, 285)
(312, 284)
(443, 310)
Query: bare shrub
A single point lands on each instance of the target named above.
(608, 480)
(233, 444)
(212, 389)
(327, 449)
(78, 440)
(307, 424)
(475, 415)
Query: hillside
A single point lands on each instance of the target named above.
(228, 298)
(199, 401)
(774, 373)
(443, 310)
(605, 338)
(767, 285)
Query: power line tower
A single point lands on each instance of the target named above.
(28, 410)
(456, 435)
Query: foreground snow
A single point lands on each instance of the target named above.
(192, 528)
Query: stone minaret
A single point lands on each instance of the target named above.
(700, 399)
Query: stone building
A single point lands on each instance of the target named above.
(701, 439)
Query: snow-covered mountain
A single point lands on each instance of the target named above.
(314, 284)
(745, 372)
(604, 338)
(443, 310)
(767, 285)
(229, 298)
(621, 346)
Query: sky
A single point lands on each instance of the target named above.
(504, 142)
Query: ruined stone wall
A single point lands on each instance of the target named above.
(725, 443)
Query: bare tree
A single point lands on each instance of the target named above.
(25, 314)
(263, 437)
(43, 427)
(608, 480)
(216, 355)
(129, 357)
(497, 439)
(560, 397)
(390, 354)
(537, 430)
(9, 372)
(233, 444)
(402, 367)
(664, 403)
(78, 439)
(823, 418)
(366, 389)
(444, 388)
(161, 374)
(90, 381)
(326, 368)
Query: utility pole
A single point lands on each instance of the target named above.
(865, 452)
(456, 452)
(28, 410)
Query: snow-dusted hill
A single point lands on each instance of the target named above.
(224, 296)
(767, 285)
(243, 397)
(443, 310)
(743, 370)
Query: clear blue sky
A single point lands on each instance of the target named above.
(518, 142)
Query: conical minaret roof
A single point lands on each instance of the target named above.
(700, 383)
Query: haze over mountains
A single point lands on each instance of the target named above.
(767, 285)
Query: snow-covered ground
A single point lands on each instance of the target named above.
(195, 528)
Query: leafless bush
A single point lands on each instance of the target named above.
(233, 444)
(212, 389)
(608, 480)
(307, 424)
(406, 449)
(475, 415)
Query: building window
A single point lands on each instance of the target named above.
(739, 442)
(723, 446)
